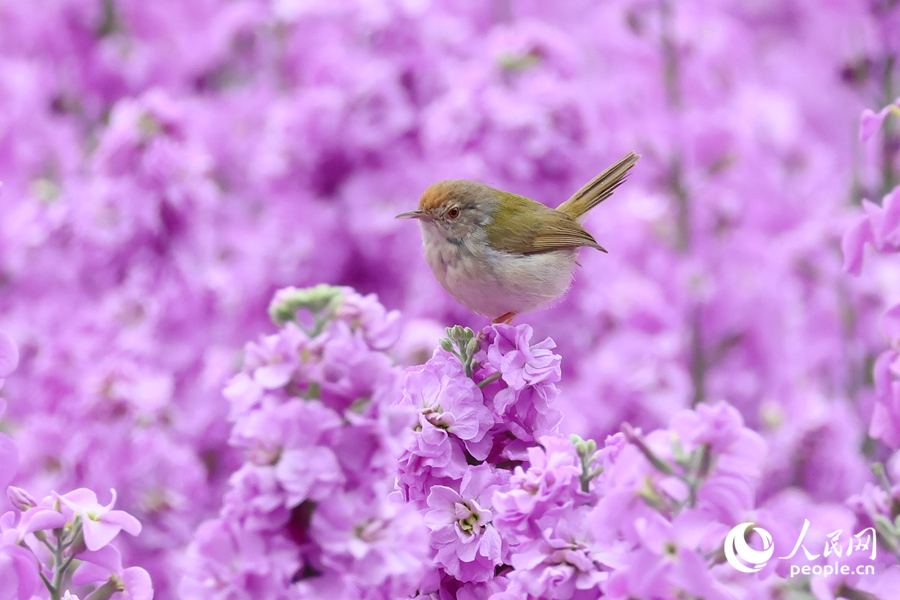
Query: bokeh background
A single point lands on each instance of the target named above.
(167, 165)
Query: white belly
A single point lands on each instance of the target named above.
(493, 283)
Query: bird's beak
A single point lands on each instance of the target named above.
(415, 214)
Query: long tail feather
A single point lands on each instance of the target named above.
(599, 188)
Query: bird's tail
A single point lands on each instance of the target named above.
(598, 189)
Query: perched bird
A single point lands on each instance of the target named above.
(499, 254)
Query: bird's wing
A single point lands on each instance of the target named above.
(528, 227)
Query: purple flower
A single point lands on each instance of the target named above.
(256, 498)
(100, 523)
(560, 562)
(509, 352)
(522, 399)
(720, 427)
(308, 473)
(346, 367)
(307, 512)
(886, 416)
(879, 227)
(449, 403)
(104, 566)
(467, 543)
(18, 568)
(166, 165)
(381, 328)
(227, 561)
(377, 544)
(44, 516)
(20, 499)
(665, 564)
(550, 483)
(870, 121)
(276, 426)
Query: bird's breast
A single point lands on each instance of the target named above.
(490, 282)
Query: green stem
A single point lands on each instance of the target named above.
(850, 593)
(489, 380)
(697, 360)
(891, 138)
(467, 366)
(66, 566)
(878, 471)
(638, 440)
(670, 56)
(54, 594)
(59, 570)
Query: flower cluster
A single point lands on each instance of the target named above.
(64, 541)
(312, 511)
(481, 403)
(880, 228)
(544, 512)
(42, 543)
(877, 505)
(516, 511)
(166, 166)
(640, 517)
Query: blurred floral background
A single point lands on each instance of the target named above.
(167, 166)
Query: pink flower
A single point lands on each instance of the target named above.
(551, 481)
(448, 403)
(105, 566)
(870, 121)
(21, 499)
(374, 543)
(509, 350)
(18, 569)
(886, 416)
(560, 561)
(879, 227)
(42, 517)
(100, 523)
(468, 545)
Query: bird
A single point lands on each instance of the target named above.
(500, 254)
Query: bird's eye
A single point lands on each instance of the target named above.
(453, 212)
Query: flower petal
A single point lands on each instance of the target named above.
(9, 354)
(138, 585)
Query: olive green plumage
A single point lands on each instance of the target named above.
(524, 226)
(501, 254)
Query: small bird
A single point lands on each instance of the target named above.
(499, 254)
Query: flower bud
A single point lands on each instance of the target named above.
(19, 498)
(288, 301)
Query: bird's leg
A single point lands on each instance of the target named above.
(507, 318)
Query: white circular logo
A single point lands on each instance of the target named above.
(737, 550)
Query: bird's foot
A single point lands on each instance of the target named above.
(507, 318)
